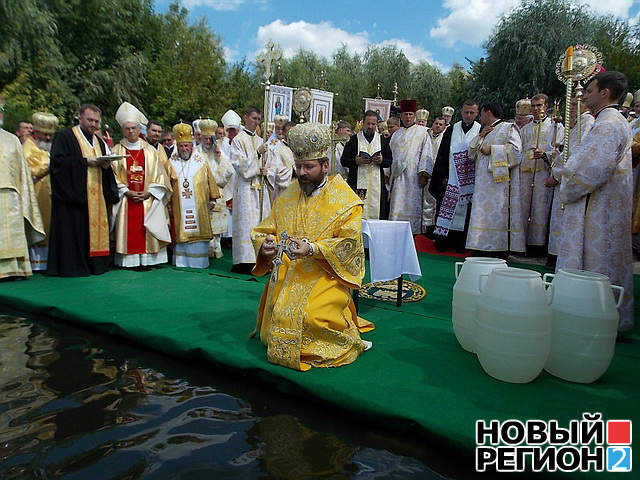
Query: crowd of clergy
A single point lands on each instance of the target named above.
(73, 203)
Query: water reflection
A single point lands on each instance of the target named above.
(74, 404)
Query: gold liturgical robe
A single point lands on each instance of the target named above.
(20, 221)
(193, 184)
(307, 317)
(38, 163)
(156, 182)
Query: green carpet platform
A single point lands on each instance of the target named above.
(416, 377)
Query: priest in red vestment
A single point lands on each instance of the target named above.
(140, 216)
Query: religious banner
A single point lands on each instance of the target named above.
(321, 107)
(378, 105)
(280, 100)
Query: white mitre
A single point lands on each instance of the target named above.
(231, 119)
(127, 113)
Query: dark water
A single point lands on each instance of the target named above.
(79, 405)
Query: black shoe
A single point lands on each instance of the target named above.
(244, 268)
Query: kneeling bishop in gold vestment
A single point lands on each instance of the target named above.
(306, 315)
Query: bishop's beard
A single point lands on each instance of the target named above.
(43, 145)
(184, 155)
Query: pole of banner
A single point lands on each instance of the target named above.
(271, 54)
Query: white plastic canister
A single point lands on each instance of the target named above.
(465, 293)
(514, 324)
(584, 325)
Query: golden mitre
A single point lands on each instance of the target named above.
(384, 127)
(44, 122)
(628, 100)
(183, 133)
(280, 120)
(423, 114)
(448, 111)
(523, 107)
(208, 127)
(309, 141)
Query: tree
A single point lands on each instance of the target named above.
(523, 50)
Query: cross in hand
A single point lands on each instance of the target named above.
(281, 247)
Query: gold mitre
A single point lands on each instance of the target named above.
(385, 128)
(280, 120)
(448, 111)
(44, 122)
(127, 113)
(423, 114)
(208, 127)
(523, 107)
(628, 100)
(309, 141)
(183, 133)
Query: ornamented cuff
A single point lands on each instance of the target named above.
(312, 247)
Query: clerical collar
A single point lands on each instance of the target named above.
(249, 132)
(131, 146)
(466, 126)
(541, 120)
(368, 136)
(496, 122)
(613, 105)
(316, 191)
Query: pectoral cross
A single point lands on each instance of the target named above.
(187, 193)
(282, 247)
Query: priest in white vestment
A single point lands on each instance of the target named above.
(453, 180)
(19, 212)
(495, 225)
(557, 209)
(194, 194)
(412, 166)
(250, 206)
(343, 134)
(540, 140)
(280, 159)
(429, 203)
(144, 190)
(596, 187)
(366, 155)
(222, 171)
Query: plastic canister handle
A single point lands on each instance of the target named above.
(620, 296)
(458, 264)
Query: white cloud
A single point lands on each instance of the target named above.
(315, 37)
(414, 53)
(230, 53)
(471, 21)
(320, 38)
(215, 4)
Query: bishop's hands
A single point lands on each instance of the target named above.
(262, 148)
(298, 248)
(486, 131)
(268, 248)
(551, 181)
(137, 197)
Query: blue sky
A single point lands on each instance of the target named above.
(441, 32)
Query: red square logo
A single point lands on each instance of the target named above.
(619, 432)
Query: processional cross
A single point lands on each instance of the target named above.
(281, 247)
(271, 54)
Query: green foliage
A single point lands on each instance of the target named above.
(58, 54)
(523, 50)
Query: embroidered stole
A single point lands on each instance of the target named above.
(369, 177)
(98, 222)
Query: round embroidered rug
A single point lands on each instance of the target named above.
(388, 291)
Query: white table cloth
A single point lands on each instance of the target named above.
(392, 251)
